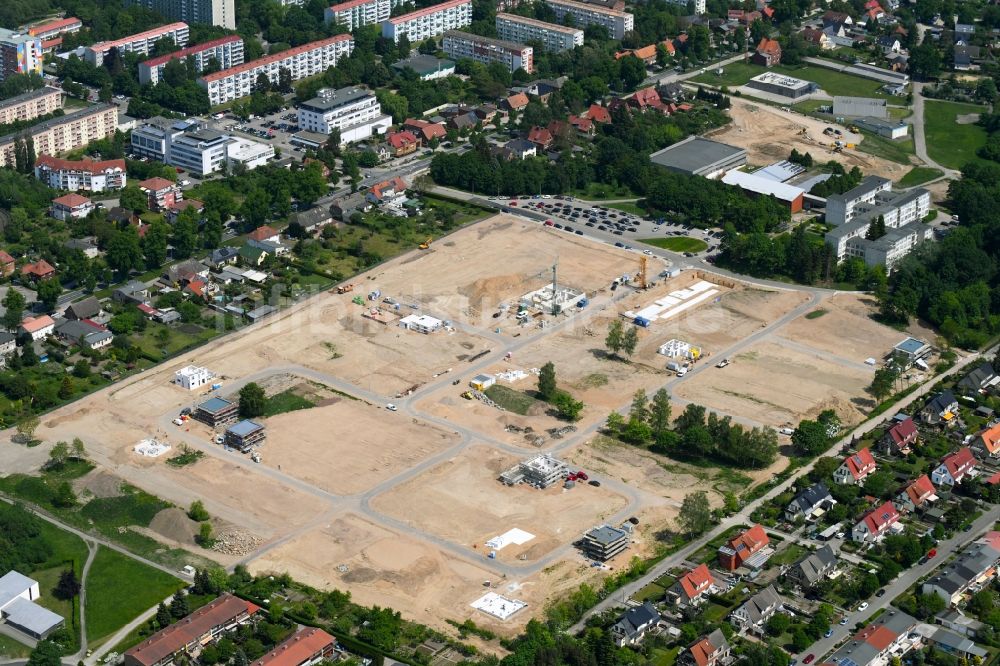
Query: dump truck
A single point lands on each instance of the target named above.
(344, 288)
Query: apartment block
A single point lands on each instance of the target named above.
(20, 53)
(458, 44)
(51, 33)
(85, 174)
(213, 12)
(30, 105)
(228, 51)
(141, 43)
(553, 37)
(356, 13)
(355, 112)
(301, 61)
(617, 22)
(65, 133)
(429, 21)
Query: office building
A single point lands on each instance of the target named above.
(485, 50)
(30, 105)
(212, 12)
(59, 135)
(553, 37)
(617, 22)
(300, 61)
(226, 51)
(141, 43)
(779, 84)
(429, 21)
(20, 53)
(86, 174)
(190, 144)
(356, 13)
(354, 111)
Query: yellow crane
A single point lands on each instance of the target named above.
(426, 244)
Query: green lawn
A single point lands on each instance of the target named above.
(832, 82)
(651, 592)
(510, 399)
(12, 649)
(119, 588)
(949, 143)
(628, 208)
(788, 555)
(900, 112)
(286, 401)
(160, 341)
(733, 75)
(919, 175)
(898, 150)
(600, 191)
(677, 243)
(661, 657)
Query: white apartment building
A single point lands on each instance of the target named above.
(841, 208)
(65, 133)
(20, 53)
(458, 44)
(192, 376)
(214, 12)
(355, 13)
(88, 175)
(191, 145)
(617, 22)
(429, 21)
(30, 105)
(228, 51)
(553, 37)
(354, 111)
(141, 43)
(301, 61)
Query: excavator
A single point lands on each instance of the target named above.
(426, 244)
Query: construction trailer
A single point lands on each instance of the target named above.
(245, 435)
(216, 412)
(482, 382)
(541, 472)
(604, 542)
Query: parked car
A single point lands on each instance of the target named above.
(809, 658)
(863, 606)
(391, 407)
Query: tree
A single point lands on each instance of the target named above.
(46, 653)
(883, 382)
(124, 252)
(163, 617)
(185, 233)
(659, 414)
(64, 496)
(252, 401)
(58, 455)
(26, 428)
(630, 340)
(615, 338)
(925, 61)
(68, 586)
(197, 511)
(48, 292)
(876, 229)
(547, 381)
(695, 515)
(179, 606)
(614, 423)
(132, 198)
(206, 538)
(810, 438)
(567, 407)
(14, 303)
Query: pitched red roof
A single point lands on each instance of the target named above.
(599, 114)
(696, 581)
(517, 101)
(646, 97)
(59, 24)
(991, 439)
(994, 480)
(156, 184)
(88, 165)
(298, 648)
(769, 46)
(71, 200)
(40, 268)
(184, 204)
(5, 258)
(768, 12)
(880, 519)
(396, 184)
(749, 542)
(401, 139)
(877, 635)
(581, 123)
(34, 324)
(903, 432)
(860, 464)
(920, 490)
(262, 233)
(959, 463)
(540, 135)
(702, 652)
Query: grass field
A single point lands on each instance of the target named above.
(12, 649)
(949, 143)
(898, 150)
(108, 609)
(510, 399)
(286, 401)
(628, 208)
(600, 191)
(677, 243)
(919, 175)
(832, 82)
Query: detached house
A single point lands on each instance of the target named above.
(988, 442)
(768, 53)
(743, 550)
(814, 498)
(712, 650)
(71, 207)
(38, 327)
(875, 524)
(942, 408)
(599, 114)
(817, 38)
(541, 137)
(634, 624)
(40, 270)
(901, 437)
(691, 588)
(387, 191)
(813, 568)
(855, 468)
(916, 495)
(758, 609)
(955, 467)
(980, 379)
(402, 143)
(6, 264)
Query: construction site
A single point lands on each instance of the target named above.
(395, 486)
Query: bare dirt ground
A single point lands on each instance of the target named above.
(349, 446)
(769, 135)
(846, 330)
(462, 501)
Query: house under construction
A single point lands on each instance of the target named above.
(245, 435)
(541, 472)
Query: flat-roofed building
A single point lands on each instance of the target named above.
(226, 51)
(301, 61)
(553, 37)
(696, 156)
(213, 12)
(19, 611)
(485, 50)
(604, 542)
(429, 21)
(64, 133)
(355, 111)
(789, 195)
(890, 129)
(617, 22)
(141, 43)
(427, 67)
(216, 412)
(856, 107)
(779, 84)
(30, 105)
(244, 435)
(20, 53)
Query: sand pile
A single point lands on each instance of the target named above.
(98, 483)
(174, 524)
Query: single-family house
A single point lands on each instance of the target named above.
(71, 207)
(806, 503)
(745, 549)
(692, 588)
(515, 102)
(813, 568)
(8, 343)
(223, 256)
(768, 53)
(987, 443)
(980, 378)
(519, 149)
(264, 234)
(88, 308)
(38, 327)
(343, 209)
(84, 333)
(875, 524)
(132, 292)
(916, 495)
(599, 114)
(541, 137)
(387, 192)
(712, 650)
(889, 44)
(582, 125)
(6, 264)
(955, 467)
(960, 647)
(402, 143)
(633, 625)
(253, 256)
(855, 468)
(86, 245)
(39, 270)
(942, 408)
(756, 611)
(315, 218)
(817, 38)
(901, 437)
(425, 131)
(174, 210)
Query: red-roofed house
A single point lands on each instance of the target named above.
(177, 207)
(38, 327)
(645, 99)
(599, 114)
(425, 130)
(402, 143)
(768, 53)
(875, 523)
(6, 264)
(767, 12)
(916, 495)
(878, 636)
(196, 288)
(264, 233)
(161, 193)
(582, 125)
(40, 270)
(669, 46)
(817, 38)
(85, 174)
(901, 437)
(647, 54)
(738, 550)
(386, 191)
(855, 468)
(541, 137)
(709, 651)
(71, 206)
(306, 646)
(954, 467)
(692, 587)
(989, 441)
(516, 102)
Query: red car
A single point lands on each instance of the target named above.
(549, 223)
(931, 553)
(809, 659)
(512, 203)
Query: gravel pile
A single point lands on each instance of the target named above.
(236, 543)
